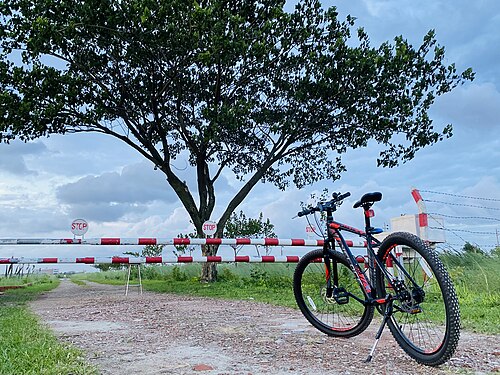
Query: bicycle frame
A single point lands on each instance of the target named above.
(334, 236)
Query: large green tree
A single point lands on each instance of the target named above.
(241, 86)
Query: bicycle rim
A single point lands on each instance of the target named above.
(426, 317)
(342, 315)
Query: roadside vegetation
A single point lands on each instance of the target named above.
(475, 276)
(477, 282)
(26, 346)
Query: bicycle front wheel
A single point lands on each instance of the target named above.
(343, 314)
(426, 316)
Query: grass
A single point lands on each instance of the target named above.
(78, 282)
(26, 347)
(16, 280)
(476, 280)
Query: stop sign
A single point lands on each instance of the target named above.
(79, 227)
(209, 227)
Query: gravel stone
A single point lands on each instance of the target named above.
(170, 334)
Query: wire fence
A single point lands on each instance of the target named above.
(464, 219)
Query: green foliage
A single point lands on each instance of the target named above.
(469, 248)
(477, 282)
(182, 249)
(152, 250)
(178, 274)
(108, 266)
(246, 87)
(27, 347)
(239, 225)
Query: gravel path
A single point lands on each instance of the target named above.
(169, 334)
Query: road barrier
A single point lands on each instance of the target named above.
(143, 241)
(153, 260)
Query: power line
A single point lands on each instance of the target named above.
(461, 196)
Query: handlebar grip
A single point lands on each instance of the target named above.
(304, 212)
(344, 196)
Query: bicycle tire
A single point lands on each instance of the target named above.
(346, 319)
(426, 319)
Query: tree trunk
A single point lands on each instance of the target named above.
(208, 273)
(209, 270)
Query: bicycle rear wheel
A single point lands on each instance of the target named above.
(340, 315)
(426, 316)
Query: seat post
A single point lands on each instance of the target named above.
(366, 210)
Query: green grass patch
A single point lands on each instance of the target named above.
(26, 347)
(78, 281)
(477, 280)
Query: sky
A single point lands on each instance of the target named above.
(47, 183)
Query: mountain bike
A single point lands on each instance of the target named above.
(401, 277)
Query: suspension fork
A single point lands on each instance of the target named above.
(330, 270)
(327, 245)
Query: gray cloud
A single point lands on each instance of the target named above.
(137, 183)
(112, 195)
(32, 222)
(104, 212)
(474, 105)
(12, 157)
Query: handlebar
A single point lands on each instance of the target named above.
(322, 206)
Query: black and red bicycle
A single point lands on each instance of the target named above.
(401, 277)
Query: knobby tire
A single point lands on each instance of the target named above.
(426, 319)
(347, 319)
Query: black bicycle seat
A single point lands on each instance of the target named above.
(368, 198)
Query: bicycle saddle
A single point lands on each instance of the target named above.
(368, 198)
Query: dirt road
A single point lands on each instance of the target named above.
(168, 334)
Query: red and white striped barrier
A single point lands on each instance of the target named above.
(172, 241)
(164, 241)
(155, 260)
(423, 221)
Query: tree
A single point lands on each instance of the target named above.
(472, 249)
(239, 225)
(239, 86)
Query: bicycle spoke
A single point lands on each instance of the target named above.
(339, 314)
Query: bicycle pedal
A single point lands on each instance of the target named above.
(341, 296)
(416, 310)
(342, 300)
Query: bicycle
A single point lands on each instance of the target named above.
(401, 277)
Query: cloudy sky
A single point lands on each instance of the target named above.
(47, 183)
